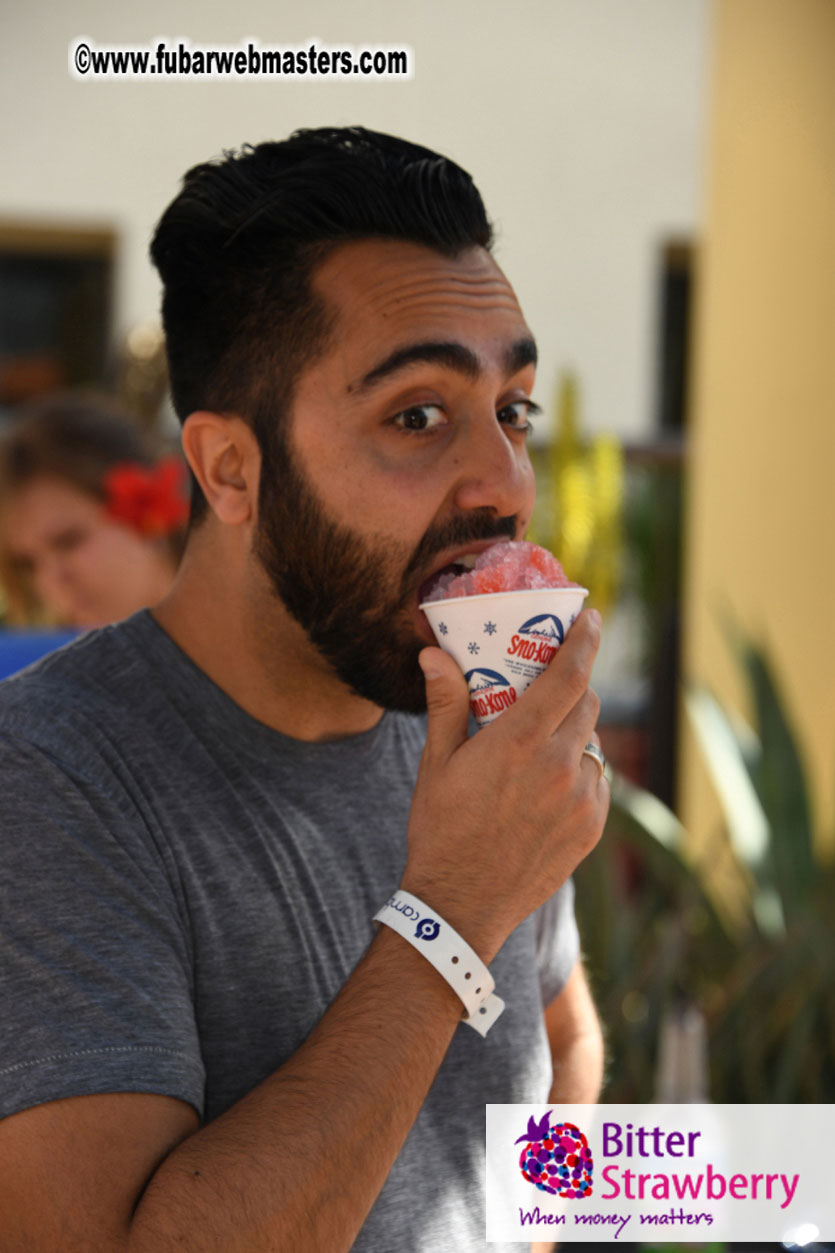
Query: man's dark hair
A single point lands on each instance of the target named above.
(237, 247)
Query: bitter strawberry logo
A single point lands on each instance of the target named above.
(556, 1158)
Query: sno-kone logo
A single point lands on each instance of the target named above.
(490, 692)
(556, 1158)
(537, 639)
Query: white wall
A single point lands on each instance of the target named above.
(581, 121)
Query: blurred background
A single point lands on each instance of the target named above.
(662, 177)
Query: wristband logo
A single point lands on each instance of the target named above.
(428, 929)
(556, 1158)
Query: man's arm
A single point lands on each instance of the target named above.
(296, 1164)
(299, 1161)
(576, 1044)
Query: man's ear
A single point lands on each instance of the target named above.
(224, 456)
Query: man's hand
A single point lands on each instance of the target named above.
(500, 821)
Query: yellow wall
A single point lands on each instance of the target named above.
(761, 508)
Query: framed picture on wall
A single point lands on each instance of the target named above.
(56, 286)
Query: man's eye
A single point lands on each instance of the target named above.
(420, 418)
(518, 414)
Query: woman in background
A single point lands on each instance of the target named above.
(92, 514)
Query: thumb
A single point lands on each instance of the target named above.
(447, 702)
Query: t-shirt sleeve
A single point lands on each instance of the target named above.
(557, 942)
(95, 970)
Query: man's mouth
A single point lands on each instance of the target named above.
(453, 567)
(459, 565)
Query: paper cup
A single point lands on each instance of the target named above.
(502, 641)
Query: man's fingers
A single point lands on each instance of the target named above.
(544, 707)
(577, 728)
(447, 703)
(552, 696)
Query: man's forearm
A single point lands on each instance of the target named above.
(260, 1177)
(576, 1040)
(578, 1078)
(578, 1070)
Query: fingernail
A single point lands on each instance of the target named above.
(429, 666)
(595, 613)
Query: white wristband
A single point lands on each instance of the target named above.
(451, 956)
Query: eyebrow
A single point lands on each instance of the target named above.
(453, 355)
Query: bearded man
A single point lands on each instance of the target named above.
(207, 1043)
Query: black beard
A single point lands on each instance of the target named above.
(351, 595)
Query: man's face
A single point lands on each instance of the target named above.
(405, 450)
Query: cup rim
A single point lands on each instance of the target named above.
(519, 591)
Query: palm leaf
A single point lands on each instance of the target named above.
(748, 826)
(767, 988)
(780, 781)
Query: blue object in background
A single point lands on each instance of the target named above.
(19, 649)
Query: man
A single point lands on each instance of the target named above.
(207, 1042)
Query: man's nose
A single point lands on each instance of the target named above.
(495, 472)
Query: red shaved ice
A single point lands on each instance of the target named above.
(512, 566)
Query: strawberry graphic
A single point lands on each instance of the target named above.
(556, 1159)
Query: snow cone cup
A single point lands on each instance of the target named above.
(503, 640)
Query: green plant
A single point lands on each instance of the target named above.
(657, 934)
(651, 937)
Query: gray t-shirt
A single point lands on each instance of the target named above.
(183, 892)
